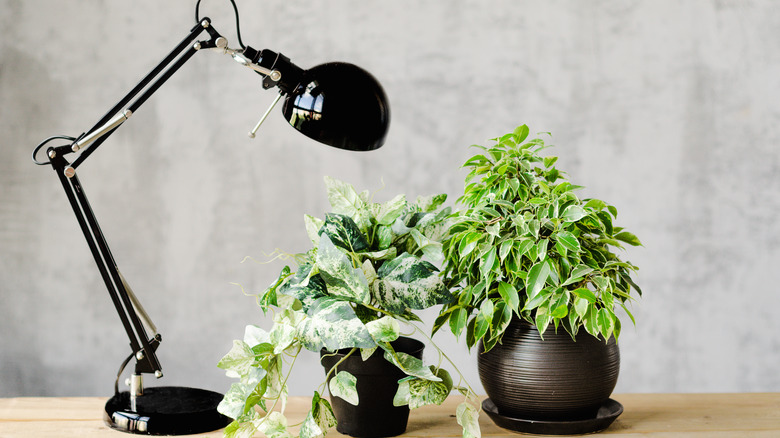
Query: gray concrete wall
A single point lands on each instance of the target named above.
(668, 110)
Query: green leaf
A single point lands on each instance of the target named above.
(568, 240)
(585, 294)
(509, 295)
(344, 386)
(549, 161)
(625, 236)
(573, 213)
(580, 306)
(417, 392)
(596, 204)
(537, 276)
(458, 320)
(240, 429)
(542, 320)
(385, 329)
(468, 243)
(489, 263)
(521, 133)
(468, 417)
(504, 249)
(502, 315)
(606, 323)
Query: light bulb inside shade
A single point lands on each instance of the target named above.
(341, 105)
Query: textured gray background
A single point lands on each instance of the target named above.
(669, 111)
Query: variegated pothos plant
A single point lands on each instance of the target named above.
(365, 274)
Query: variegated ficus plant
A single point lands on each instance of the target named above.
(526, 244)
(356, 288)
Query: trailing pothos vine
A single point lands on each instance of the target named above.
(354, 289)
(526, 244)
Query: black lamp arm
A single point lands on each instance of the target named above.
(133, 317)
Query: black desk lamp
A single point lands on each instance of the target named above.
(335, 103)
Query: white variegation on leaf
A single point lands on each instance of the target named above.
(388, 212)
(344, 199)
(282, 337)
(365, 353)
(333, 325)
(239, 360)
(273, 425)
(468, 417)
(385, 329)
(344, 386)
(319, 419)
(408, 282)
(430, 248)
(410, 364)
(431, 202)
(416, 392)
(254, 335)
(341, 277)
(313, 226)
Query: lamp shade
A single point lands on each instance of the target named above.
(341, 105)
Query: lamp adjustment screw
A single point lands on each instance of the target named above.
(158, 374)
(196, 46)
(52, 153)
(69, 171)
(127, 381)
(204, 23)
(221, 42)
(139, 355)
(275, 75)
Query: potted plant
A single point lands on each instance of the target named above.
(361, 281)
(537, 284)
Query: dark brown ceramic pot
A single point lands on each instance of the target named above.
(377, 383)
(551, 379)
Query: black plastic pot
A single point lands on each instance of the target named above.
(551, 379)
(377, 383)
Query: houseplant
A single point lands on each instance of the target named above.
(351, 294)
(527, 255)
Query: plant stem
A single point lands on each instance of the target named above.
(336, 366)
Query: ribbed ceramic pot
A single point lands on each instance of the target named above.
(551, 379)
(377, 383)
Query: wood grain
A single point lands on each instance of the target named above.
(646, 415)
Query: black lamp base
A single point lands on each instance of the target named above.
(166, 410)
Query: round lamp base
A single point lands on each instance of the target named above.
(166, 410)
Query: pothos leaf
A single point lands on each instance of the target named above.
(391, 210)
(333, 324)
(417, 392)
(410, 364)
(468, 417)
(341, 277)
(344, 386)
(385, 329)
(274, 425)
(239, 359)
(319, 419)
(409, 282)
(345, 200)
(344, 232)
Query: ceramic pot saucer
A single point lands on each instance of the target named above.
(607, 413)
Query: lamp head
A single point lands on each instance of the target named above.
(341, 105)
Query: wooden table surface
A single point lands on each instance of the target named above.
(647, 415)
